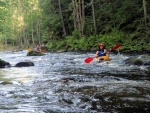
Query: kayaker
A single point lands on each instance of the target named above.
(101, 52)
(37, 48)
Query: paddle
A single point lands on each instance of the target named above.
(89, 59)
(116, 47)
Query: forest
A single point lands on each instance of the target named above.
(75, 25)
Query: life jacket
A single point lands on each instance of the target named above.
(101, 52)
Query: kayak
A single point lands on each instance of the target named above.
(105, 58)
(29, 49)
(43, 50)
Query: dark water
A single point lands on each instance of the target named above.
(62, 82)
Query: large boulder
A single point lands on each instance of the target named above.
(24, 64)
(34, 53)
(138, 60)
(4, 64)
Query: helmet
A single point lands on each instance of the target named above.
(101, 44)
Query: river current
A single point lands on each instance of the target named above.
(63, 82)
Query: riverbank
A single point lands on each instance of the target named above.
(82, 45)
(130, 43)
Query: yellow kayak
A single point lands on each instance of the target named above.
(105, 58)
(29, 49)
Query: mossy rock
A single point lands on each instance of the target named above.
(145, 59)
(4, 64)
(138, 62)
(133, 61)
(6, 82)
(141, 60)
(35, 53)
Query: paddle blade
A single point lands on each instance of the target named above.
(88, 60)
(116, 47)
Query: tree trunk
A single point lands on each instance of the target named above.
(112, 9)
(74, 15)
(32, 26)
(83, 16)
(23, 36)
(62, 20)
(5, 37)
(94, 18)
(39, 31)
(145, 13)
(79, 15)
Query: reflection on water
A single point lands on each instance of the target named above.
(62, 82)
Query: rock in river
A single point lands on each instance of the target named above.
(138, 60)
(4, 64)
(24, 64)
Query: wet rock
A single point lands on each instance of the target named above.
(35, 53)
(138, 60)
(66, 80)
(68, 101)
(6, 82)
(85, 99)
(4, 64)
(147, 63)
(24, 64)
(145, 59)
(94, 105)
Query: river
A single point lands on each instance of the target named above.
(62, 82)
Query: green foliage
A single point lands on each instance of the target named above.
(75, 34)
(117, 22)
(51, 45)
(61, 45)
(110, 39)
(82, 44)
(91, 42)
(71, 42)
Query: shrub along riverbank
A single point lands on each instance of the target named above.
(135, 42)
(130, 43)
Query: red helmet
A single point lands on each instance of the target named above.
(101, 44)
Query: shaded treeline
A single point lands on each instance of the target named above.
(75, 24)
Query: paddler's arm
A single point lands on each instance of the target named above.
(108, 51)
(96, 55)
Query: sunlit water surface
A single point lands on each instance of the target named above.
(62, 82)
